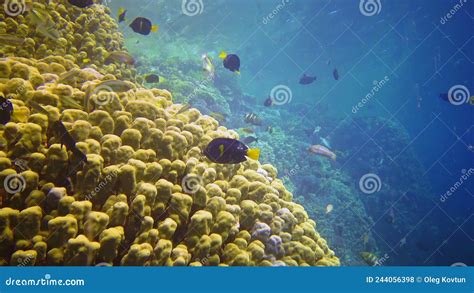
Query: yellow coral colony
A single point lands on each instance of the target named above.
(130, 203)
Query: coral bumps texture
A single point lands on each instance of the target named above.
(146, 196)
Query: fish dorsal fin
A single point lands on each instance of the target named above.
(223, 55)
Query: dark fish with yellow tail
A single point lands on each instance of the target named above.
(143, 26)
(8, 112)
(230, 61)
(252, 118)
(229, 151)
(121, 14)
(369, 258)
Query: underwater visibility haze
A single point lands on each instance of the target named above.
(244, 133)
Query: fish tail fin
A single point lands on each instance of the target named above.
(154, 28)
(68, 102)
(222, 55)
(237, 71)
(121, 10)
(333, 156)
(254, 154)
(38, 107)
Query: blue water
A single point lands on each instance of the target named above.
(417, 144)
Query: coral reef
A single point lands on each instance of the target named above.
(145, 196)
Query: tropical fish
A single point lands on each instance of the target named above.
(268, 102)
(335, 74)
(44, 23)
(184, 108)
(305, 79)
(247, 130)
(119, 57)
(229, 151)
(208, 66)
(81, 3)
(218, 116)
(143, 26)
(322, 150)
(11, 40)
(68, 75)
(253, 119)
(60, 132)
(121, 14)
(66, 139)
(369, 258)
(317, 129)
(69, 102)
(329, 208)
(249, 139)
(230, 61)
(6, 110)
(325, 142)
(115, 85)
(152, 78)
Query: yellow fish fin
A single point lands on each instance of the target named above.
(223, 55)
(154, 28)
(254, 154)
(87, 60)
(237, 71)
(121, 10)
